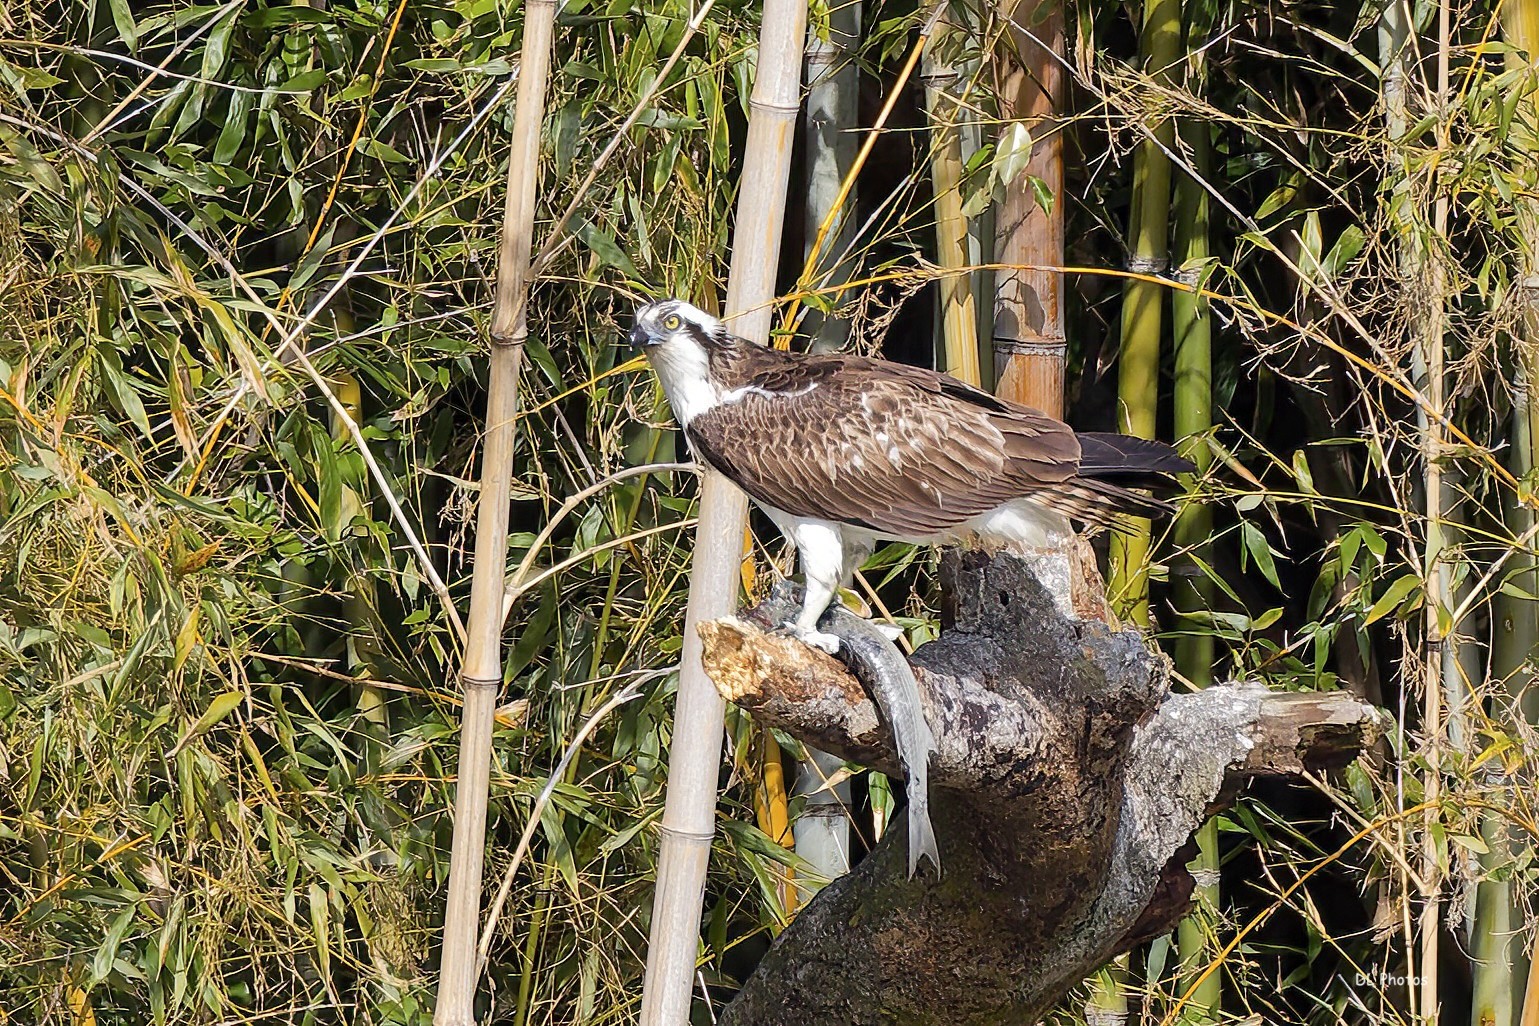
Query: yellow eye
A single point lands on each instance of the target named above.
(672, 322)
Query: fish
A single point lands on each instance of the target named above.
(885, 673)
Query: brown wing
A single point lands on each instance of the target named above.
(893, 448)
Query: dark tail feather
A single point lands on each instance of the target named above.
(1111, 467)
(1107, 455)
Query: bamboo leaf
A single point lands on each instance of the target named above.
(1013, 153)
(123, 20)
(1260, 551)
(106, 955)
(217, 710)
(1393, 596)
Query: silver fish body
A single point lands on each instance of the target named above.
(882, 668)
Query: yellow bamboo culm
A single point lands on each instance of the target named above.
(772, 809)
(959, 316)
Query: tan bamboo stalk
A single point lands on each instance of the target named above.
(958, 315)
(1138, 365)
(1028, 339)
(1530, 1013)
(1431, 346)
(481, 674)
(689, 813)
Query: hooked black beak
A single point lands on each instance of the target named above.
(639, 338)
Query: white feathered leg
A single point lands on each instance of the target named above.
(820, 551)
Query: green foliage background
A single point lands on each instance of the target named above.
(227, 708)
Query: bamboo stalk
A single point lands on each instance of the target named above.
(481, 674)
(958, 316)
(821, 833)
(1435, 641)
(1138, 366)
(360, 597)
(689, 814)
(833, 114)
(1493, 998)
(1504, 980)
(1394, 37)
(1191, 590)
(1028, 338)
(772, 810)
(1530, 993)
(823, 828)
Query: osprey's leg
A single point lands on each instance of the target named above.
(820, 550)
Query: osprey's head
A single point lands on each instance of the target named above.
(678, 339)
(672, 321)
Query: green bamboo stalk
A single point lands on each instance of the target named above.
(958, 315)
(361, 598)
(481, 674)
(1493, 934)
(689, 813)
(1107, 1003)
(1501, 970)
(1191, 589)
(1138, 369)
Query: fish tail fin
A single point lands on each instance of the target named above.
(921, 835)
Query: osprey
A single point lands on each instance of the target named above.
(842, 451)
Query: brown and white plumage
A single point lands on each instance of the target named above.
(841, 451)
(844, 450)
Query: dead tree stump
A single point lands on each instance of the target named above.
(1066, 782)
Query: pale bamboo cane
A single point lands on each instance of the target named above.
(689, 814)
(481, 674)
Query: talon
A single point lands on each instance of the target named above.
(813, 638)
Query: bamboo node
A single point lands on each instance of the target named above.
(480, 682)
(695, 837)
(773, 107)
(824, 52)
(1205, 877)
(1146, 264)
(515, 338)
(1055, 347)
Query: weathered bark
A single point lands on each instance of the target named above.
(1066, 780)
